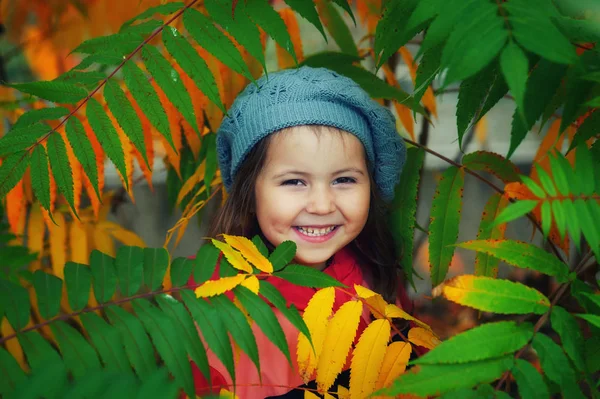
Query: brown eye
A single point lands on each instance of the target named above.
(344, 180)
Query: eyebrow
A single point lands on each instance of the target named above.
(297, 172)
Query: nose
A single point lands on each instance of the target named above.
(321, 201)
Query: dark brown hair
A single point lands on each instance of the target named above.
(374, 245)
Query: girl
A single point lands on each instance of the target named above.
(306, 155)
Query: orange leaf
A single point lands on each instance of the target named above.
(45, 213)
(15, 202)
(173, 157)
(393, 311)
(552, 140)
(77, 178)
(284, 58)
(216, 287)
(95, 202)
(422, 337)
(58, 244)
(78, 243)
(394, 363)
(404, 113)
(338, 341)
(367, 358)
(250, 252)
(428, 96)
(316, 316)
(481, 130)
(234, 257)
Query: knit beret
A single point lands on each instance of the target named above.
(311, 96)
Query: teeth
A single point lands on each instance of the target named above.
(309, 231)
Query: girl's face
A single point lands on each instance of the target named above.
(314, 190)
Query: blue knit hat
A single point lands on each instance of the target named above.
(311, 96)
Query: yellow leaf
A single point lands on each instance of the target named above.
(316, 316)
(310, 395)
(394, 312)
(234, 257)
(368, 357)
(250, 252)
(340, 335)
(328, 396)
(58, 244)
(12, 345)
(127, 237)
(422, 337)
(394, 363)
(343, 392)
(103, 242)
(79, 244)
(190, 183)
(216, 287)
(375, 301)
(35, 234)
(251, 283)
(224, 393)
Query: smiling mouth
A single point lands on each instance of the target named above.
(315, 231)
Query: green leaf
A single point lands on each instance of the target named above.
(588, 129)
(592, 352)
(61, 168)
(48, 290)
(536, 33)
(590, 318)
(445, 218)
(191, 340)
(404, 209)
(13, 375)
(450, 14)
(572, 218)
(170, 82)
(38, 351)
(126, 117)
(238, 327)
(226, 269)
(202, 29)
(486, 341)
(83, 150)
(260, 245)
(521, 254)
(515, 68)
(529, 380)
(559, 174)
(193, 65)
(58, 92)
(433, 379)
(533, 186)
(570, 335)
(78, 354)
(497, 92)
(472, 92)
(274, 296)
(337, 28)
(104, 275)
(87, 79)
(305, 276)
(119, 44)
(205, 263)
(391, 32)
(543, 82)
(105, 59)
(307, 10)
(584, 169)
(162, 9)
(264, 317)
(556, 366)
(156, 262)
(211, 160)
(137, 344)
(261, 12)
(213, 330)
(546, 214)
(130, 265)
(492, 163)
(239, 26)
(107, 341)
(427, 70)
(159, 385)
(344, 4)
(467, 53)
(589, 227)
(78, 279)
(558, 211)
(18, 139)
(487, 265)
(37, 115)
(498, 296)
(40, 176)
(181, 269)
(282, 255)
(107, 136)
(15, 302)
(11, 171)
